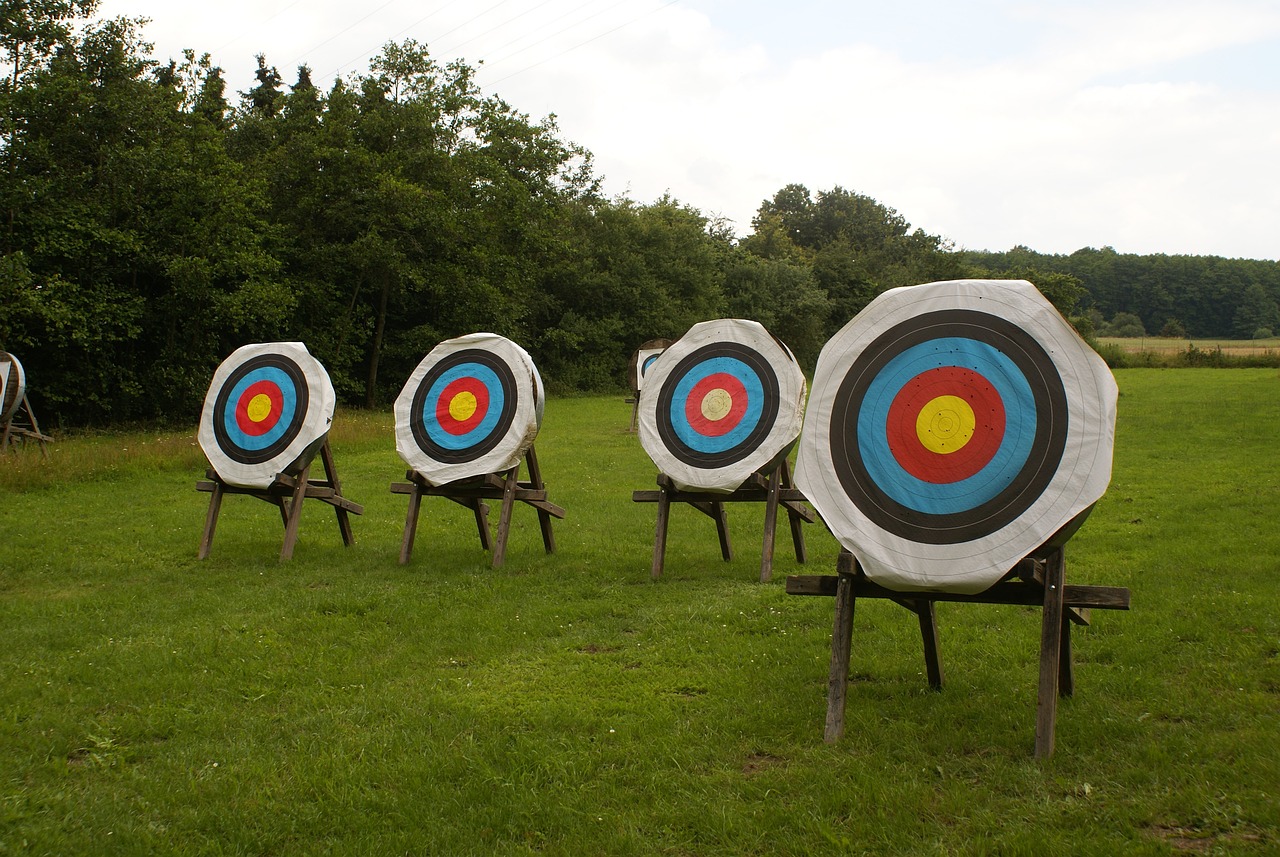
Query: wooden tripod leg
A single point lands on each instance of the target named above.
(660, 532)
(211, 521)
(722, 529)
(841, 643)
(774, 481)
(481, 510)
(797, 523)
(544, 517)
(331, 474)
(293, 515)
(35, 427)
(411, 524)
(929, 634)
(504, 517)
(1051, 636)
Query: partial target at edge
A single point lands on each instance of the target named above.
(13, 385)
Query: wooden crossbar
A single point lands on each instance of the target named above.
(504, 487)
(1038, 580)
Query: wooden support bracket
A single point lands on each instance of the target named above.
(472, 493)
(286, 493)
(774, 489)
(1038, 580)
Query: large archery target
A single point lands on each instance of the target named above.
(13, 385)
(954, 428)
(268, 411)
(472, 407)
(726, 400)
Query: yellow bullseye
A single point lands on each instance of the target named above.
(946, 424)
(259, 407)
(463, 406)
(717, 404)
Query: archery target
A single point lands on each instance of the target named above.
(13, 385)
(729, 401)
(642, 361)
(954, 428)
(268, 411)
(645, 358)
(472, 407)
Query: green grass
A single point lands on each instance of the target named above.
(566, 704)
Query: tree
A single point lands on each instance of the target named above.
(857, 247)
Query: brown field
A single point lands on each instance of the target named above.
(1161, 345)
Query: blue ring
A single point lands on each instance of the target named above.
(431, 424)
(1015, 447)
(708, 444)
(290, 402)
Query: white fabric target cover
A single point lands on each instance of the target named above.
(725, 400)
(13, 386)
(268, 411)
(473, 406)
(954, 428)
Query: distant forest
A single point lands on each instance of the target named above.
(152, 223)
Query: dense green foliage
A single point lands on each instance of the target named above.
(1178, 296)
(149, 226)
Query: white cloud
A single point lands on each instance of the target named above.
(1056, 125)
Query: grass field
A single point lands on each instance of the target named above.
(565, 704)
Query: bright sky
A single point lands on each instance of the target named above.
(1152, 126)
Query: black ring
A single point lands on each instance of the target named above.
(233, 450)
(510, 395)
(1031, 481)
(763, 427)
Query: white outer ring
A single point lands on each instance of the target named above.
(904, 564)
(311, 434)
(782, 434)
(530, 398)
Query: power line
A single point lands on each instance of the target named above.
(583, 43)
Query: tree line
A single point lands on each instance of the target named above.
(152, 223)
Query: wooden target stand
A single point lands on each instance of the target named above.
(286, 493)
(504, 487)
(22, 426)
(775, 490)
(1037, 580)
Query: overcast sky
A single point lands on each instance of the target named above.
(1151, 127)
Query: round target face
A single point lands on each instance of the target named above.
(472, 407)
(961, 425)
(643, 360)
(729, 401)
(267, 412)
(13, 385)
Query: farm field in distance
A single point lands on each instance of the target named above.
(1168, 345)
(566, 704)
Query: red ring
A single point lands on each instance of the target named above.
(938, 468)
(467, 384)
(259, 388)
(693, 405)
